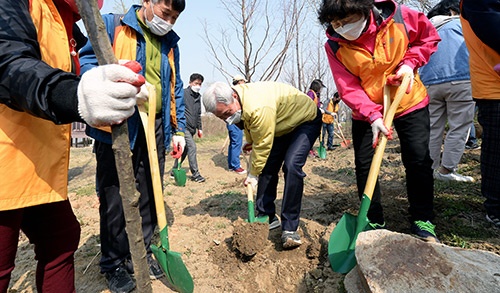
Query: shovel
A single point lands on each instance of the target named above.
(343, 238)
(345, 143)
(170, 262)
(179, 175)
(322, 151)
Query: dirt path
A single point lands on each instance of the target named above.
(201, 218)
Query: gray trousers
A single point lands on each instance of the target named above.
(449, 102)
(190, 152)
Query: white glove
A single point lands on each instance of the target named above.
(405, 70)
(252, 180)
(179, 141)
(106, 94)
(143, 94)
(377, 127)
(322, 111)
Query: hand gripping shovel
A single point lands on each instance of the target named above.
(343, 238)
(170, 262)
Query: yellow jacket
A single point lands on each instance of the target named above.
(34, 153)
(271, 109)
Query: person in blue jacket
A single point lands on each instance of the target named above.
(143, 34)
(447, 79)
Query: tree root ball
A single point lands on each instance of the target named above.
(249, 238)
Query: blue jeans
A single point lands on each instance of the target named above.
(327, 129)
(234, 147)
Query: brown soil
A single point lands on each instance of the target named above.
(204, 218)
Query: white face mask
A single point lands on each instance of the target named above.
(352, 31)
(196, 88)
(235, 118)
(157, 25)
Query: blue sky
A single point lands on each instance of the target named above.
(194, 52)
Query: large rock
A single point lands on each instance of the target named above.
(394, 262)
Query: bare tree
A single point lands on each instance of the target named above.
(120, 7)
(257, 43)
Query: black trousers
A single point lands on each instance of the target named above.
(289, 151)
(489, 118)
(413, 131)
(114, 241)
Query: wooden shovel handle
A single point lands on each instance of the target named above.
(379, 152)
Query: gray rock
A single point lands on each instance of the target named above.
(395, 262)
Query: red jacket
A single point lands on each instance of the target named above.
(395, 36)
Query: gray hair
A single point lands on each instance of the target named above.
(218, 92)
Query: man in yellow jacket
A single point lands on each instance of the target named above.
(40, 94)
(282, 124)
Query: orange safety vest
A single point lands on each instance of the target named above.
(125, 48)
(327, 118)
(34, 153)
(482, 58)
(391, 44)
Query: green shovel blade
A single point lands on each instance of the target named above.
(322, 152)
(172, 265)
(179, 175)
(343, 238)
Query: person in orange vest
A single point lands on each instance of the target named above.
(480, 21)
(372, 43)
(330, 110)
(143, 34)
(41, 93)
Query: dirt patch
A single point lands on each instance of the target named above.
(249, 238)
(203, 217)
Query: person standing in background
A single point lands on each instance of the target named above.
(235, 139)
(447, 79)
(330, 109)
(192, 101)
(314, 93)
(480, 22)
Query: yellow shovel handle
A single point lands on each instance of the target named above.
(379, 152)
(148, 121)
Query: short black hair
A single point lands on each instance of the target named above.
(196, 76)
(339, 9)
(316, 85)
(177, 5)
(444, 7)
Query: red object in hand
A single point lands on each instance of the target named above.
(135, 67)
(176, 152)
(200, 133)
(247, 147)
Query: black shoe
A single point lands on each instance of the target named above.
(472, 146)
(120, 281)
(155, 271)
(290, 239)
(198, 178)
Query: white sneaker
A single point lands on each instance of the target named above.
(453, 176)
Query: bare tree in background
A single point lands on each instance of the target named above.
(420, 5)
(257, 43)
(120, 6)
